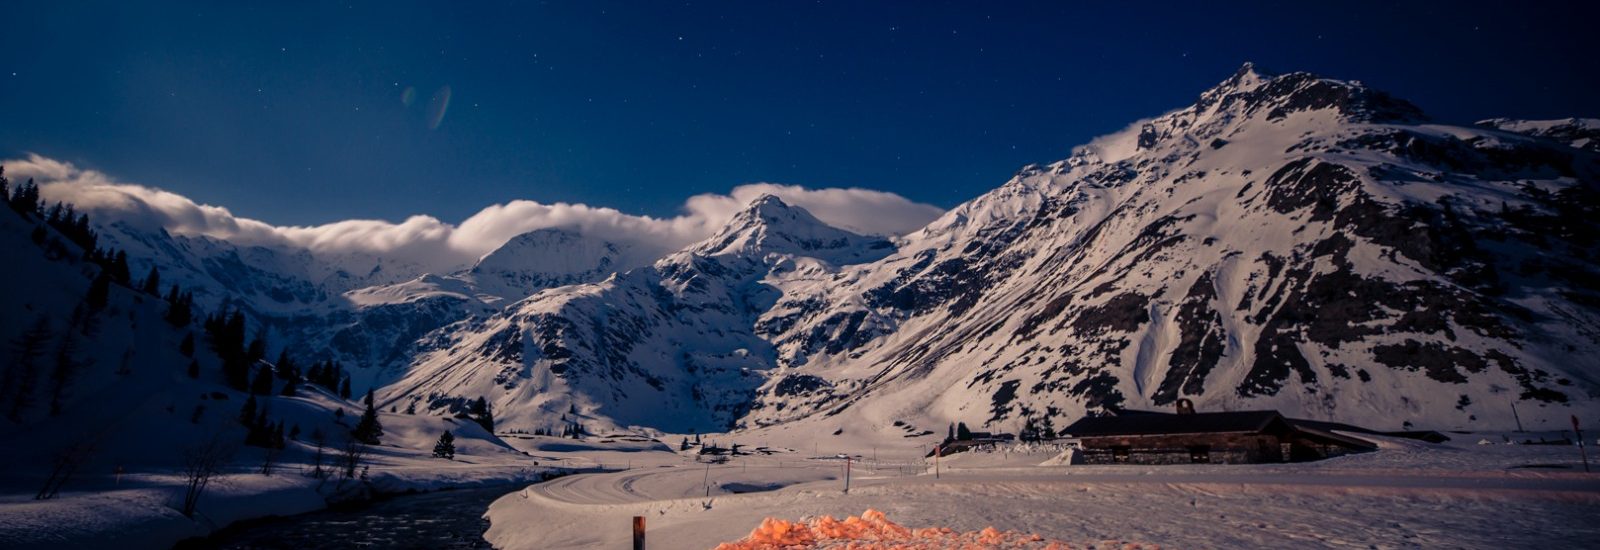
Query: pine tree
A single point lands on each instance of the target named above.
(65, 370)
(187, 346)
(962, 433)
(194, 368)
(99, 291)
(21, 375)
(26, 199)
(288, 389)
(263, 382)
(226, 331)
(344, 388)
(368, 429)
(446, 447)
(480, 413)
(257, 351)
(180, 307)
(247, 415)
(152, 282)
(259, 430)
(119, 268)
(285, 366)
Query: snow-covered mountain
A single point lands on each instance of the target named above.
(365, 310)
(1582, 133)
(670, 346)
(1288, 241)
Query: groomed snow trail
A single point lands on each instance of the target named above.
(1372, 502)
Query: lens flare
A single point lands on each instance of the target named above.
(437, 107)
(408, 96)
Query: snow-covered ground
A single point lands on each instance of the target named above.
(139, 508)
(1409, 494)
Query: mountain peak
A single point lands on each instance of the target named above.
(770, 225)
(550, 257)
(1252, 89)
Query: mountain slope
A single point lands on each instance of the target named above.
(667, 346)
(366, 311)
(1287, 242)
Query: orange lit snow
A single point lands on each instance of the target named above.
(873, 531)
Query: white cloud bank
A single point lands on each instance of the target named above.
(434, 244)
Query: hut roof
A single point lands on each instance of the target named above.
(1152, 423)
(1137, 423)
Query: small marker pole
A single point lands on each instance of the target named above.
(847, 475)
(1581, 449)
(638, 532)
(937, 450)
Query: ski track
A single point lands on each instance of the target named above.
(1388, 503)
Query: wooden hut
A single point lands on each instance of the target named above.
(1243, 437)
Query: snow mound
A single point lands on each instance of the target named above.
(872, 530)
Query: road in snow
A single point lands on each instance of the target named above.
(1409, 495)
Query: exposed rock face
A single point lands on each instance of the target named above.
(671, 346)
(1288, 242)
(1581, 133)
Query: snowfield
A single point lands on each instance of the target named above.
(1409, 494)
(139, 509)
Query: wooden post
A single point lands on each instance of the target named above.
(937, 450)
(638, 532)
(1581, 449)
(1516, 416)
(847, 475)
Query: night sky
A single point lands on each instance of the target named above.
(300, 115)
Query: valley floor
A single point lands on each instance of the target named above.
(139, 510)
(1409, 494)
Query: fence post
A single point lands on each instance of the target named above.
(638, 532)
(847, 475)
(1581, 450)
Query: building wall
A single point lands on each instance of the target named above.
(1233, 448)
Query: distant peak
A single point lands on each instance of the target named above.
(1251, 89)
(1250, 68)
(769, 224)
(768, 209)
(765, 202)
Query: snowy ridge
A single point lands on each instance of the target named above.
(1580, 133)
(1287, 242)
(367, 311)
(670, 346)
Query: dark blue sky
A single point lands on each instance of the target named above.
(294, 115)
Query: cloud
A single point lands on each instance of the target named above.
(436, 245)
